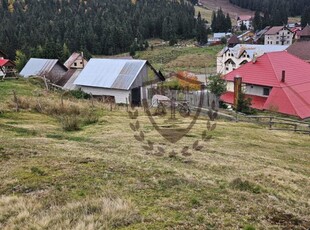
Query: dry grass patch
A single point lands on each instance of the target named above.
(90, 213)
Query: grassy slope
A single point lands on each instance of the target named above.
(195, 59)
(101, 177)
(227, 7)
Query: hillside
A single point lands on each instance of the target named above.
(245, 177)
(52, 29)
(232, 9)
(199, 60)
(227, 7)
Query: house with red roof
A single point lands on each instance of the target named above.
(245, 20)
(277, 81)
(7, 68)
(279, 35)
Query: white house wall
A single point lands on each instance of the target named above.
(275, 39)
(119, 95)
(223, 68)
(248, 89)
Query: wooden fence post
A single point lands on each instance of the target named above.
(16, 101)
(270, 122)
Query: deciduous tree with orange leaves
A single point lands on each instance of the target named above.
(188, 80)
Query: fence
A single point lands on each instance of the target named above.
(192, 97)
(276, 123)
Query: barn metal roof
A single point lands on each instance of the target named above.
(38, 67)
(110, 73)
(69, 85)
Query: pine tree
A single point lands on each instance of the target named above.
(201, 31)
(243, 27)
(305, 18)
(228, 23)
(257, 21)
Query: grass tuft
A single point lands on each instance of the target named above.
(245, 185)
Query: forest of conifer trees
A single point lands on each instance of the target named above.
(48, 28)
(291, 7)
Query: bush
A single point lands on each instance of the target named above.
(69, 123)
(70, 114)
(90, 118)
(79, 94)
(244, 105)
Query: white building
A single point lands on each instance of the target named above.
(279, 35)
(231, 58)
(123, 80)
(245, 20)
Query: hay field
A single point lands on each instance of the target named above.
(100, 177)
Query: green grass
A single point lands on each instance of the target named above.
(195, 59)
(101, 177)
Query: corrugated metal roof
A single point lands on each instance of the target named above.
(70, 83)
(38, 67)
(110, 73)
(305, 32)
(300, 49)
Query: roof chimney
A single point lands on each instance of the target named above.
(254, 58)
(283, 76)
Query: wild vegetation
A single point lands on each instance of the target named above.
(220, 22)
(100, 176)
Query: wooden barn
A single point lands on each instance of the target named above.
(121, 79)
(51, 69)
(7, 68)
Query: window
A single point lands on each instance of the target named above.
(252, 86)
(81, 63)
(277, 42)
(266, 91)
(75, 64)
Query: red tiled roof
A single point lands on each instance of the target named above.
(6, 62)
(257, 101)
(274, 30)
(245, 17)
(290, 97)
